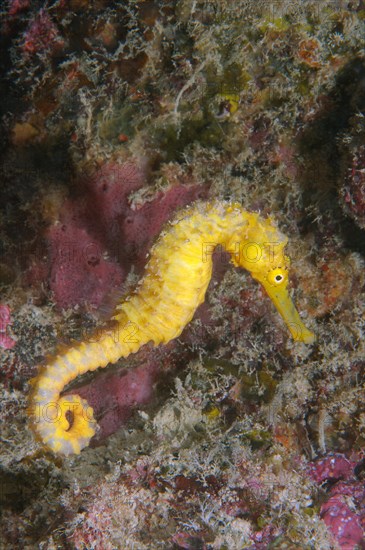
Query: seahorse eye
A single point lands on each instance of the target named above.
(276, 276)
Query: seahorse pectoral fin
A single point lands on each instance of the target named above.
(285, 306)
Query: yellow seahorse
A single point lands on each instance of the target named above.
(174, 284)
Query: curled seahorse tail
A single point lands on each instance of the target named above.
(66, 424)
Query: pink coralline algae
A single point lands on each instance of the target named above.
(114, 396)
(101, 234)
(344, 510)
(6, 341)
(343, 522)
(42, 35)
(17, 6)
(78, 272)
(333, 467)
(128, 227)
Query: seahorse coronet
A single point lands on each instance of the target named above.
(162, 304)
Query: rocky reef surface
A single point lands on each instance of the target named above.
(113, 116)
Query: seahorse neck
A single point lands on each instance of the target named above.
(224, 224)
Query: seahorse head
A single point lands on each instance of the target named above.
(260, 249)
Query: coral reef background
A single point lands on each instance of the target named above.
(113, 115)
